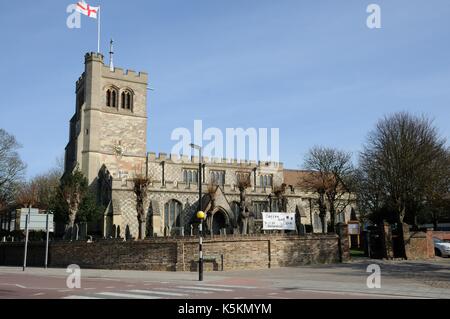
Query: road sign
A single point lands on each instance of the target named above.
(38, 222)
(279, 221)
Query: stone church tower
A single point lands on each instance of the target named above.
(110, 121)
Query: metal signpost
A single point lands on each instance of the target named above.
(36, 222)
(46, 241)
(200, 215)
(27, 229)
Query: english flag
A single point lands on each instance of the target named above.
(87, 10)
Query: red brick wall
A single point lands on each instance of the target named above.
(181, 254)
(444, 235)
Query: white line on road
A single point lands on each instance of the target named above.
(204, 288)
(185, 290)
(227, 286)
(130, 296)
(153, 292)
(80, 297)
(16, 285)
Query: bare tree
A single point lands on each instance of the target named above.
(279, 192)
(211, 190)
(403, 167)
(404, 160)
(242, 183)
(140, 189)
(73, 188)
(11, 167)
(330, 177)
(27, 194)
(46, 186)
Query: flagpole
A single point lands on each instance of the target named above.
(98, 29)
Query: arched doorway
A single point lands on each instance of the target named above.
(219, 222)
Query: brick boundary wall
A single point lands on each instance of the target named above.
(420, 245)
(444, 235)
(181, 254)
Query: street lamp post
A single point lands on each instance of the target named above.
(200, 214)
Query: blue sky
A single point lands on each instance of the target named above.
(311, 68)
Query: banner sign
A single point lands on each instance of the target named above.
(279, 221)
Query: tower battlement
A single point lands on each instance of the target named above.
(90, 56)
(80, 81)
(125, 75)
(116, 73)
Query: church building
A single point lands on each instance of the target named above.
(108, 138)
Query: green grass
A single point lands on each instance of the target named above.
(356, 253)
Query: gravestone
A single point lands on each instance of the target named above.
(75, 232)
(128, 233)
(83, 231)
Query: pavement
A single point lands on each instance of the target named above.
(399, 280)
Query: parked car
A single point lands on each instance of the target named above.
(441, 248)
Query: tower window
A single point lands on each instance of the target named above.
(123, 100)
(114, 99)
(127, 100)
(108, 98)
(111, 98)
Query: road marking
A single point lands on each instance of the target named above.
(39, 294)
(354, 293)
(275, 297)
(203, 288)
(110, 287)
(153, 292)
(80, 297)
(227, 286)
(16, 285)
(185, 290)
(130, 296)
(89, 288)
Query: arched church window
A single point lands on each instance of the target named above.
(190, 176)
(126, 100)
(172, 214)
(114, 99)
(266, 180)
(123, 100)
(108, 97)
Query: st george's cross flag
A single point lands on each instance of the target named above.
(87, 10)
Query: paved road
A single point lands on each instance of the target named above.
(399, 280)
